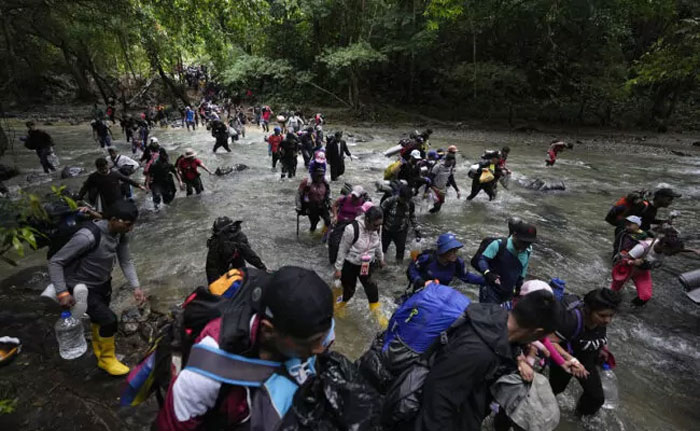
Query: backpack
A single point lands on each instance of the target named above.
(392, 171)
(483, 245)
(417, 329)
(573, 302)
(173, 348)
(64, 233)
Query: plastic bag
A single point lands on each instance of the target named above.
(486, 176)
(338, 398)
(52, 158)
(373, 366)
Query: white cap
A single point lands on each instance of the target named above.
(415, 154)
(634, 219)
(533, 286)
(153, 140)
(357, 191)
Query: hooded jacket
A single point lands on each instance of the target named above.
(368, 242)
(456, 392)
(229, 249)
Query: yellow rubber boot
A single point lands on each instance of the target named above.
(95, 339)
(339, 309)
(107, 360)
(376, 309)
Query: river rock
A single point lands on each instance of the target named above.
(541, 185)
(7, 172)
(71, 172)
(132, 318)
(680, 153)
(696, 144)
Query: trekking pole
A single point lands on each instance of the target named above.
(298, 225)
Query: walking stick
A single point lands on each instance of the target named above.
(298, 225)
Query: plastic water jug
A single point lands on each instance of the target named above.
(70, 336)
(609, 382)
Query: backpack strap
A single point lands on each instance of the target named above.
(576, 308)
(356, 231)
(229, 368)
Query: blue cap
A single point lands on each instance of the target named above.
(446, 242)
(65, 314)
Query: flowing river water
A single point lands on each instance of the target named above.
(657, 348)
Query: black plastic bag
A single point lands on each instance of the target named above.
(373, 367)
(338, 398)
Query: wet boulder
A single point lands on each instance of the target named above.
(133, 318)
(541, 185)
(7, 172)
(225, 170)
(71, 172)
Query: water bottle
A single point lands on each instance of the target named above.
(70, 336)
(609, 381)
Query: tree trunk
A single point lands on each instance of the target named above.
(84, 90)
(473, 53)
(174, 89)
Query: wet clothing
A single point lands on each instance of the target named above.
(307, 147)
(42, 143)
(336, 149)
(411, 173)
(274, 142)
(397, 217)
(289, 148)
(107, 187)
(73, 264)
(490, 187)
(161, 182)
(219, 131)
(553, 152)
(509, 264)
(190, 176)
(150, 154)
(196, 402)
(349, 208)
(189, 119)
(441, 177)
(103, 133)
(227, 250)
(368, 243)
(456, 394)
(349, 275)
(427, 267)
(347, 211)
(125, 165)
(585, 345)
(640, 275)
(313, 199)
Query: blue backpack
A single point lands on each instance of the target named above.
(425, 317)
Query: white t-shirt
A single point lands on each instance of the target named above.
(651, 256)
(120, 161)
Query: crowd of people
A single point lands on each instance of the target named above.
(454, 359)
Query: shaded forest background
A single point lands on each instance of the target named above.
(618, 63)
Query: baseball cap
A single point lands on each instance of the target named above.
(298, 302)
(526, 232)
(667, 191)
(415, 154)
(533, 286)
(357, 191)
(446, 242)
(634, 219)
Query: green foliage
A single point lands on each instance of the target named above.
(594, 58)
(15, 231)
(8, 405)
(359, 55)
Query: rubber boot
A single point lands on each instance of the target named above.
(376, 309)
(339, 309)
(95, 339)
(107, 360)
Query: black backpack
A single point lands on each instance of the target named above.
(483, 245)
(63, 234)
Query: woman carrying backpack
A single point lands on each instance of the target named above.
(581, 332)
(359, 252)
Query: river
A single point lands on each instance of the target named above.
(657, 348)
